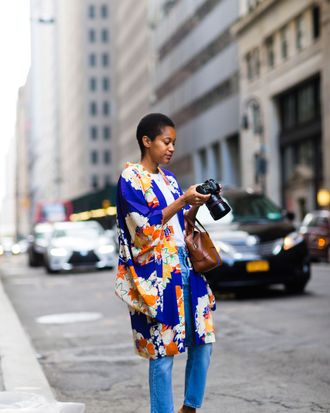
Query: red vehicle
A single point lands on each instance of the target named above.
(316, 230)
(53, 211)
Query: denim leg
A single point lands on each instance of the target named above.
(196, 371)
(190, 330)
(160, 384)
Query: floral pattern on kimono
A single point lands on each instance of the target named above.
(149, 276)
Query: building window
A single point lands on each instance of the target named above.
(270, 52)
(203, 163)
(256, 55)
(104, 11)
(216, 153)
(289, 112)
(106, 83)
(107, 157)
(106, 108)
(105, 59)
(252, 4)
(95, 181)
(284, 43)
(93, 132)
(92, 59)
(299, 32)
(306, 106)
(91, 12)
(249, 68)
(92, 84)
(106, 132)
(300, 105)
(92, 35)
(253, 64)
(104, 35)
(93, 108)
(94, 157)
(316, 22)
(107, 180)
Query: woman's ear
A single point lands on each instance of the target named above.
(146, 141)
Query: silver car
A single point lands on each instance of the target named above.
(79, 244)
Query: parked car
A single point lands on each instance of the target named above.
(78, 244)
(38, 242)
(258, 244)
(315, 228)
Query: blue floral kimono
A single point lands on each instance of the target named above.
(149, 277)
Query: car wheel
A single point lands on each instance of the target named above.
(33, 260)
(297, 287)
(51, 271)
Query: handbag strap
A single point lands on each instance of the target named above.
(192, 225)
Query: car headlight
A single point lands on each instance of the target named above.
(291, 240)
(58, 252)
(15, 249)
(106, 249)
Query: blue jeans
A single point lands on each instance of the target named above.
(160, 370)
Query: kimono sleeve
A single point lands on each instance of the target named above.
(142, 218)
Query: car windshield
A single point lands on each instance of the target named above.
(77, 232)
(253, 207)
(246, 207)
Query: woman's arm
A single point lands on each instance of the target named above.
(191, 197)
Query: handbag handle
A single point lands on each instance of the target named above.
(192, 225)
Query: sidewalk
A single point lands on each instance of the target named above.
(23, 385)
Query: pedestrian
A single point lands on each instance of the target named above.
(169, 303)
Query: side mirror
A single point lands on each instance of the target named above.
(290, 215)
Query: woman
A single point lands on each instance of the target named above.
(169, 303)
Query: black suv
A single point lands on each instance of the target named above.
(258, 244)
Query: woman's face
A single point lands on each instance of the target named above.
(161, 149)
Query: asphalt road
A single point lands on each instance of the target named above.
(272, 353)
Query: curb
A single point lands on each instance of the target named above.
(20, 371)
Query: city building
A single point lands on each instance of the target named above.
(133, 68)
(71, 140)
(196, 82)
(85, 96)
(284, 99)
(8, 203)
(42, 98)
(22, 191)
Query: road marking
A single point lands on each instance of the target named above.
(66, 318)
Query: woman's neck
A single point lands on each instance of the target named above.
(150, 165)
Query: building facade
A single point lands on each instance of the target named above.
(196, 82)
(85, 96)
(283, 96)
(43, 140)
(72, 148)
(133, 68)
(22, 194)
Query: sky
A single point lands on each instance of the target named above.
(14, 66)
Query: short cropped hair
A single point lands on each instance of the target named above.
(151, 125)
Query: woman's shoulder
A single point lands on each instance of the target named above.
(168, 173)
(130, 170)
(136, 176)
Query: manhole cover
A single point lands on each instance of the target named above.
(68, 318)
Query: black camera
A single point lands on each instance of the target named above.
(217, 206)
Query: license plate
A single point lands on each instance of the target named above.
(255, 266)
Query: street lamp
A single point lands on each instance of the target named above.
(252, 108)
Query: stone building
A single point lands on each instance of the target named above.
(284, 99)
(196, 82)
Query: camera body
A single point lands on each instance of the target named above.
(217, 206)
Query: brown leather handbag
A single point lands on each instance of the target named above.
(202, 252)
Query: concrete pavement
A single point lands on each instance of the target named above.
(23, 385)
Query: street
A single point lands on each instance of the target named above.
(272, 353)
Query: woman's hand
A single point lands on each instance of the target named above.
(192, 197)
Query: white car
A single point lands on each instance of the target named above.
(79, 244)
